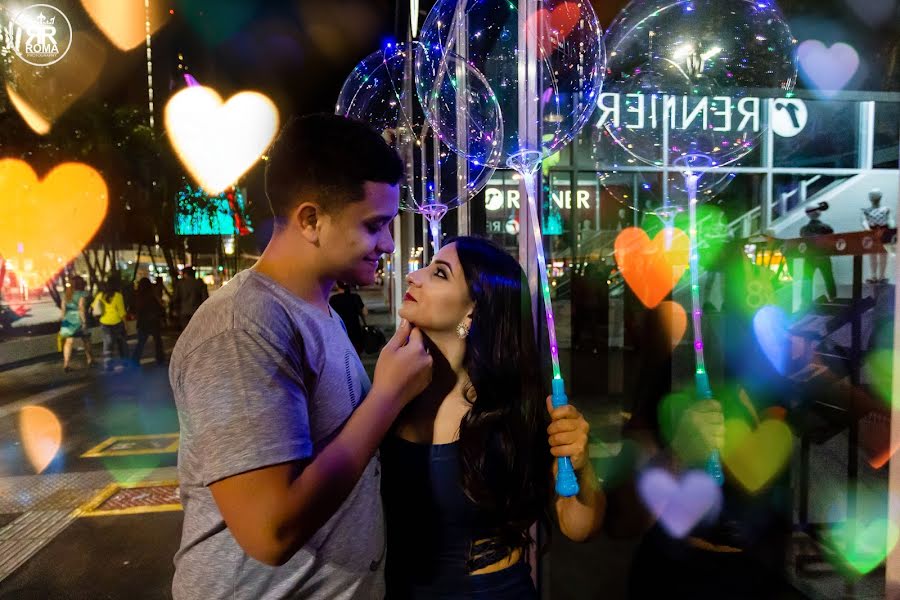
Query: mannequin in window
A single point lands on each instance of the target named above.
(877, 218)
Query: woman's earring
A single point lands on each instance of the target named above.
(462, 331)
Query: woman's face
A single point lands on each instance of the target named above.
(437, 299)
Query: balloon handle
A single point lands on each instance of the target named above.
(566, 481)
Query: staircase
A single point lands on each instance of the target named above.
(787, 203)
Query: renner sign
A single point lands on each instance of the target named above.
(719, 113)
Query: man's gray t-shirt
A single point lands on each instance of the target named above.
(262, 378)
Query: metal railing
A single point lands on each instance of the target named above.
(751, 222)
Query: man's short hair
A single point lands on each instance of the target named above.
(326, 159)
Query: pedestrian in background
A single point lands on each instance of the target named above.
(816, 261)
(111, 306)
(190, 293)
(163, 295)
(349, 306)
(149, 311)
(75, 321)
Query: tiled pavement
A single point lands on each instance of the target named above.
(44, 505)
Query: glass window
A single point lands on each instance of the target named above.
(495, 212)
(887, 135)
(830, 138)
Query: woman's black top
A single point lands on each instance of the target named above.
(431, 525)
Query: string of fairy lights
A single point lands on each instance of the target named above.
(148, 31)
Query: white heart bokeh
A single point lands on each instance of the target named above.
(218, 142)
(827, 69)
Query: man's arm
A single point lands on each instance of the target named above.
(272, 512)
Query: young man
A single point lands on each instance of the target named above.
(279, 423)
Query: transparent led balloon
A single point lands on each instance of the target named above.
(686, 76)
(637, 187)
(380, 92)
(545, 68)
(682, 91)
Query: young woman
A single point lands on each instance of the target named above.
(74, 322)
(111, 305)
(469, 466)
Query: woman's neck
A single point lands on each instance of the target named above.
(434, 416)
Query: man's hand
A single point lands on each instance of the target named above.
(404, 365)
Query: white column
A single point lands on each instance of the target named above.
(768, 159)
(866, 134)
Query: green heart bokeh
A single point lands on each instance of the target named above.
(862, 545)
(879, 366)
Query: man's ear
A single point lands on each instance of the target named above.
(307, 218)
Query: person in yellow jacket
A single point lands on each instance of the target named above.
(111, 307)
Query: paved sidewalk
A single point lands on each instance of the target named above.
(102, 519)
(116, 431)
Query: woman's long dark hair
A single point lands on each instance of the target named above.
(113, 286)
(504, 451)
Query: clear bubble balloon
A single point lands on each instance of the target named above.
(541, 108)
(684, 76)
(380, 92)
(636, 187)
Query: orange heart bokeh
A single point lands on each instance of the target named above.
(41, 436)
(652, 268)
(45, 224)
(674, 319)
(124, 22)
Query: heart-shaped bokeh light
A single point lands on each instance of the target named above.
(680, 505)
(41, 435)
(756, 457)
(126, 22)
(828, 69)
(652, 268)
(674, 320)
(45, 224)
(772, 328)
(42, 95)
(218, 142)
(861, 544)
